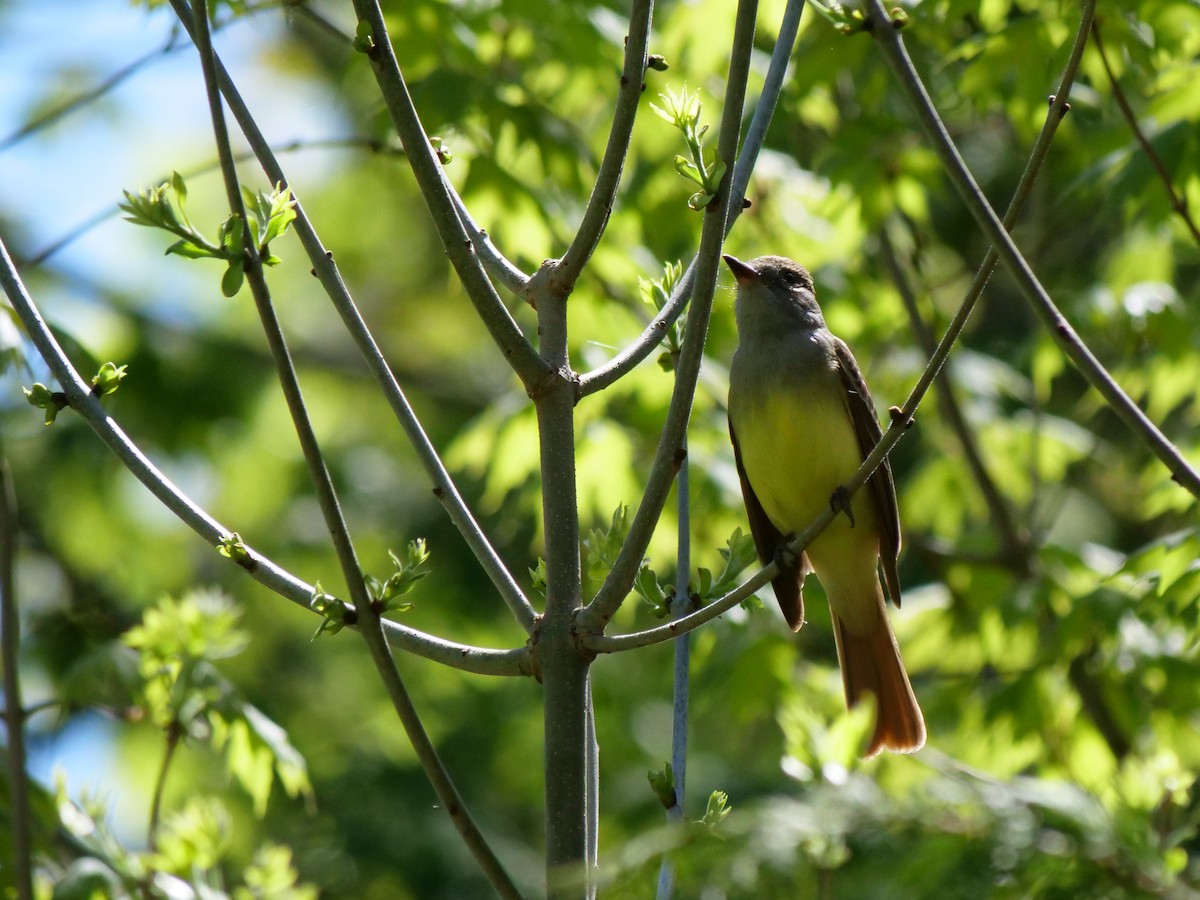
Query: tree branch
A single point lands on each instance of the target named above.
(20, 819)
(1178, 203)
(330, 277)
(1064, 335)
(284, 368)
(53, 115)
(525, 361)
(671, 445)
(496, 263)
(368, 615)
(605, 643)
(651, 337)
(901, 419)
(1013, 538)
(259, 567)
(566, 270)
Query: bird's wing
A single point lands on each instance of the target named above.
(881, 485)
(789, 584)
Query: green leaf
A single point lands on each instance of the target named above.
(662, 783)
(717, 809)
(231, 547)
(688, 170)
(537, 578)
(256, 749)
(108, 379)
(738, 553)
(647, 586)
(189, 249)
(231, 281)
(42, 397)
(180, 187)
(333, 611)
(363, 42)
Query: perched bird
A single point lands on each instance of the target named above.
(801, 420)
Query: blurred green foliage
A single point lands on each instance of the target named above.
(1061, 690)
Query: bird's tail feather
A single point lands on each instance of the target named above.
(871, 664)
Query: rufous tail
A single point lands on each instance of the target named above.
(871, 664)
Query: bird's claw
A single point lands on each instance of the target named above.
(840, 502)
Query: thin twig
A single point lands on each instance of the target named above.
(1014, 539)
(497, 264)
(111, 212)
(681, 605)
(892, 47)
(651, 337)
(369, 620)
(260, 568)
(525, 361)
(20, 819)
(284, 366)
(671, 445)
(900, 419)
(51, 116)
(327, 272)
(614, 643)
(566, 271)
(174, 736)
(1178, 202)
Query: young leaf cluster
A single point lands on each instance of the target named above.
(600, 549)
(408, 571)
(104, 382)
(683, 111)
(182, 692)
(192, 857)
(163, 207)
(656, 294)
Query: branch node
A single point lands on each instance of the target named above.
(550, 381)
(896, 414)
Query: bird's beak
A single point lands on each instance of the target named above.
(744, 273)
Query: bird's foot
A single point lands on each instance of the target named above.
(785, 557)
(840, 502)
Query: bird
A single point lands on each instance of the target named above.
(801, 421)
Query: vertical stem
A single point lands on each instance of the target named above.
(680, 607)
(20, 821)
(174, 734)
(593, 790)
(564, 669)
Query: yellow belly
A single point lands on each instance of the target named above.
(798, 445)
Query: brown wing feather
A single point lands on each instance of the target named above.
(789, 584)
(881, 485)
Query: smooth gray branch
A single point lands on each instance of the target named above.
(259, 567)
(599, 206)
(368, 616)
(651, 337)
(327, 272)
(525, 361)
(901, 418)
(892, 47)
(671, 445)
(20, 818)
